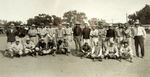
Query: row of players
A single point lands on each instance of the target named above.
(96, 52)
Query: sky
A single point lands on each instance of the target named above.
(110, 10)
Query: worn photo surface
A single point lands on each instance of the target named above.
(74, 38)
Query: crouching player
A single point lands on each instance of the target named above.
(97, 52)
(112, 52)
(16, 49)
(52, 47)
(126, 51)
(29, 47)
(41, 47)
(63, 47)
(86, 50)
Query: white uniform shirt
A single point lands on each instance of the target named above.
(68, 31)
(29, 46)
(94, 33)
(141, 32)
(17, 47)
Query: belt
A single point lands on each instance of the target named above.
(68, 34)
(32, 36)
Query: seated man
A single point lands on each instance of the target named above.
(97, 52)
(126, 51)
(41, 47)
(86, 49)
(62, 47)
(112, 51)
(16, 49)
(29, 47)
(51, 47)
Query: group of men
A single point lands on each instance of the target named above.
(90, 41)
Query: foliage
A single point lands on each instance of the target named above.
(72, 17)
(44, 19)
(97, 22)
(142, 15)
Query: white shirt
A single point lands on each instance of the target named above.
(17, 47)
(94, 32)
(141, 32)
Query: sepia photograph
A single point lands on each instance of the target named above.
(74, 38)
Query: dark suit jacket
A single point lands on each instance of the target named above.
(110, 33)
(11, 35)
(77, 31)
(86, 33)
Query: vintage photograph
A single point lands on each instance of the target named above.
(74, 38)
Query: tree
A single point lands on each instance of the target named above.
(142, 15)
(72, 16)
(97, 22)
(56, 20)
(41, 18)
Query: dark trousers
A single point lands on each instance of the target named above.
(139, 41)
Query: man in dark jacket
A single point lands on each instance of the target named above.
(77, 32)
(110, 35)
(11, 34)
(86, 34)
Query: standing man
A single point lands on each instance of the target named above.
(68, 34)
(11, 34)
(59, 35)
(94, 36)
(77, 32)
(128, 34)
(139, 36)
(86, 34)
(102, 36)
(110, 35)
(33, 34)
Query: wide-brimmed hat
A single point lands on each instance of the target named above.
(33, 25)
(65, 23)
(78, 23)
(12, 24)
(28, 39)
(137, 22)
(18, 40)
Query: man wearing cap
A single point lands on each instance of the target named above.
(139, 36)
(110, 34)
(102, 35)
(17, 48)
(51, 32)
(86, 34)
(128, 34)
(86, 50)
(77, 33)
(94, 35)
(112, 51)
(21, 32)
(119, 34)
(60, 33)
(28, 46)
(68, 32)
(126, 51)
(33, 34)
(11, 34)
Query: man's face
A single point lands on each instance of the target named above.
(111, 44)
(86, 44)
(125, 45)
(17, 42)
(28, 41)
(137, 25)
(78, 25)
